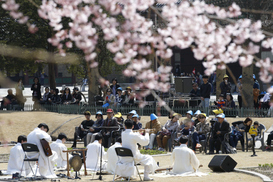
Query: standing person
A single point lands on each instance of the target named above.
(225, 86)
(177, 70)
(256, 92)
(205, 89)
(93, 155)
(36, 93)
(130, 140)
(155, 127)
(58, 146)
(184, 158)
(46, 164)
(19, 87)
(16, 157)
(112, 156)
(114, 86)
(110, 121)
(84, 128)
(221, 127)
(166, 133)
(84, 83)
(239, 91)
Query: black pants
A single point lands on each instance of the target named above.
(269, 138)
(240, 101)
(81, 134)
(215, 143)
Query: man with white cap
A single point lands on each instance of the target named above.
(155, 127)
(136, 123)
(221, 127)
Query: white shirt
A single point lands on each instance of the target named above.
(16, 159)
(46, 164)
(59, 147)
(184, 159)
(112, 157)
(93, 155)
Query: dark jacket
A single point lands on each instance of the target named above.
(223, 129)
(108, 123)
(205, 90)
(68, 99)
(225, 88)
(36, 91)
(194, 93)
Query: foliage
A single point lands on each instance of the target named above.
(152, 152)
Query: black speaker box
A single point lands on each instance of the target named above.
(222, 163)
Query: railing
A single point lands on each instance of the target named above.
(146, 111)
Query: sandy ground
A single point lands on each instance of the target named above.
(17, 123)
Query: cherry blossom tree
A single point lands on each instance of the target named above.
(135, 40)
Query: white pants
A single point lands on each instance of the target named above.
(90, 138)
(152, 139)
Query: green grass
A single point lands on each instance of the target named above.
(151, 152)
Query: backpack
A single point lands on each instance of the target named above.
(227, 149)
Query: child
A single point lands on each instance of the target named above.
(254, 129)
(221, 102)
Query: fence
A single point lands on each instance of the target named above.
(146, 111)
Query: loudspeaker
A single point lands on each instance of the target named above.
(222, 163)
(183, 84)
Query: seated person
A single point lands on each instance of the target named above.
(84, 128)
(130, 140)
(229, 101)
(202, 128)
(10, 99)
(110, 121)
(90, 137)
(93, 155)
(195, 92)
(237, 133)
(129, 97)
(58, 146)
(16, 158)
(109, 98)
(119, 97)
(155, 127)
(220, 102)
(136, 122)
(56, 99)
(170, 126)
(119, 118)
(186, 130)
(187, 120)
(46, 97)
(221, 127)
(196, 117)
(77, 96)
(112, 156)
(131, 113)
(67, 97)
(184, 158)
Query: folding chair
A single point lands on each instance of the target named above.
(125, 152)
(29, 147)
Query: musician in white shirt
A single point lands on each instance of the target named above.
(58, 146)
(185, 160)
(112, 156)
(130, 140)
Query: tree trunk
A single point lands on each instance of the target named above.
(247, 87)
(219, 78)
(51, 64)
